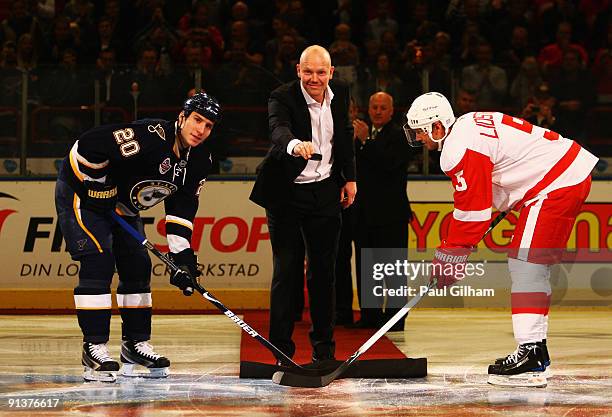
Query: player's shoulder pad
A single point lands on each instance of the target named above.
(456, 143)
(164, 129)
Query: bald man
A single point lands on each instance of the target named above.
(303, 182)
(382, 210)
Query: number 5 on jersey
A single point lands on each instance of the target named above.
(461, 184)
(128, 145)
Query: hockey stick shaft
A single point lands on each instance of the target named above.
(174, 268)
(308, 381)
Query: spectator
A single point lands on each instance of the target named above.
(525, 83)
(151, 82)
(441, 50)
(510, 58)
(422, 67)
(382, 210)
(281, 27)
(106, 38)
(466, 52)
(488, 80)
(286, 59)
(27, 61)
(159, 34)
(383, 79)
(301, 21)
(551, 56)
(345, 55)
(381, 23)
(18, 22)
(67, 86)
(10, 75)
(194, 74)
(64, 35)
(603, 78)
(419, 27)
(195, 25)
(240, 36)
(574, 89)
(114, 84)
(465, 102)
(539, 110)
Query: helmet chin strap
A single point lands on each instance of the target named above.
(179, 134)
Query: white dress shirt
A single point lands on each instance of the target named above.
(322, 125)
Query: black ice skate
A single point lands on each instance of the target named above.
(545, 358)
(138, 355)
(523, 368)
(99, 366)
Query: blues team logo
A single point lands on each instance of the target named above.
(157, 129)
(146, 194)
(165, 166)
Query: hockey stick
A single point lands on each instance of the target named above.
(247, 329)
(293, 379)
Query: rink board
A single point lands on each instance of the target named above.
(232, 241)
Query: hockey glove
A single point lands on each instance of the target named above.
(100, 198)
(184, 278)
(448, 266)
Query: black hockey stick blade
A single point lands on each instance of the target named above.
(291, 379)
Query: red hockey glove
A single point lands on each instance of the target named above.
(448, 266)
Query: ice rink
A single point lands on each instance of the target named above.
(40, 360)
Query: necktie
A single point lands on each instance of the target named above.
(374, 133)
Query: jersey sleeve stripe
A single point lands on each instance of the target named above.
(177, 243)
(180, 221)
(472, 216)
(74, 163)
(88, 164)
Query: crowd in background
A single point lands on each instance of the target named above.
(546, 60)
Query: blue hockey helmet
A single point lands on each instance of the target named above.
(204, 104)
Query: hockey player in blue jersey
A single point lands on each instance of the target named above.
(128, 168)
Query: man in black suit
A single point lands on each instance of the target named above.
(307, 175)
(382, 208)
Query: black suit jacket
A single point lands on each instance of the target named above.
(289, 119)
(381, 178)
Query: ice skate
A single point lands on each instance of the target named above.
(523, 368)
(140, 360)
(99, 366)
(545, 357)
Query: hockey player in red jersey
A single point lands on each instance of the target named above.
(496, 160)
(128, 168)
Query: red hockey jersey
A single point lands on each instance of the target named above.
(496, 160)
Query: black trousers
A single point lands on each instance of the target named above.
(394, 235)
(344, 277)
(311, 219)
